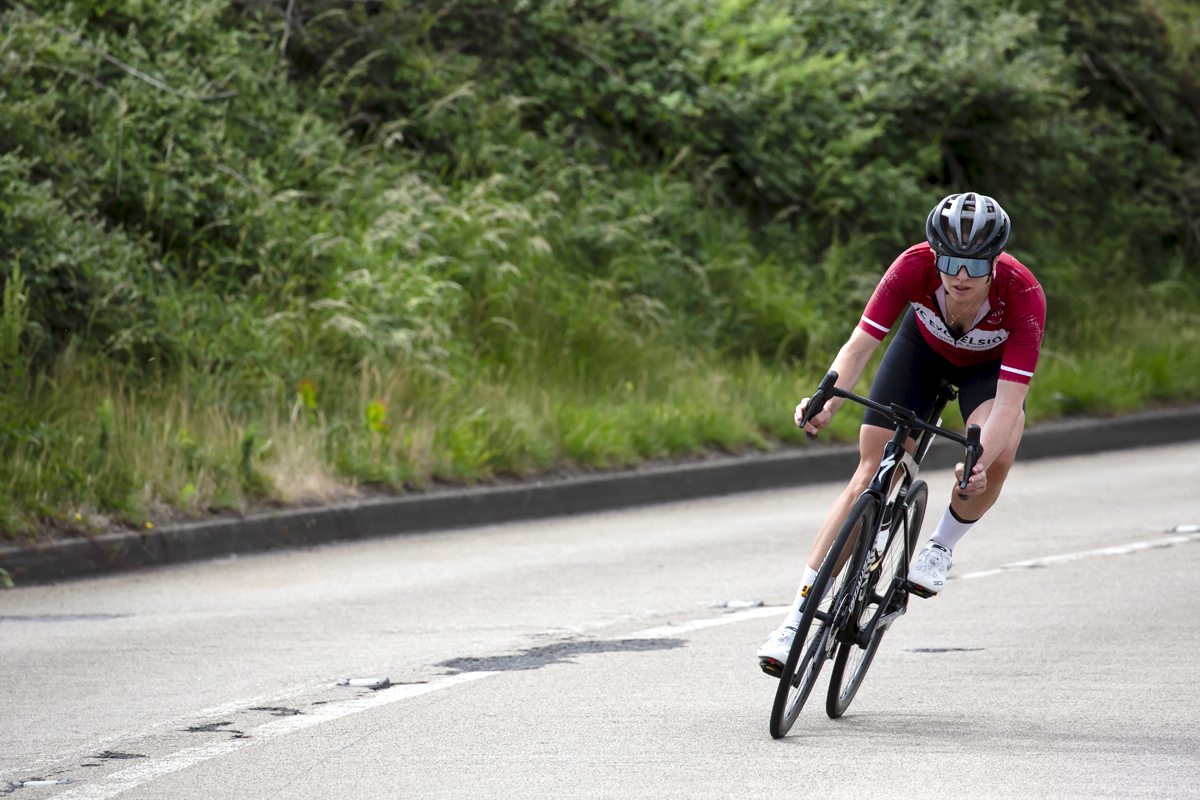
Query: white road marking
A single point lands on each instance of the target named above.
(203, 715)
(1118, 550)
(700, 624)
(152, 769)
(144, 772)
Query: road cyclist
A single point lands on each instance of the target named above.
(975, 320)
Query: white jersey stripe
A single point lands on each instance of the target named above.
(1018, 371)
(874, 324)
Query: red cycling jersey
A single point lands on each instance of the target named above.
(1009, 325)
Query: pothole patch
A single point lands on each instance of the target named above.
(114, 755)
(560, 653)
(215, 727)
(277, 711)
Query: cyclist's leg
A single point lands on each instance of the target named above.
(910, 375)
(997, 473)
(977, 398)
(871, 441)
(775, 650)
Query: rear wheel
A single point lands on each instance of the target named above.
(884, 588)
(815, 642)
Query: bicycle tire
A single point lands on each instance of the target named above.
(852, 661)
(814, 644)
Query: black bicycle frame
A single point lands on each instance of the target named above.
(906, 422)
(897, 471)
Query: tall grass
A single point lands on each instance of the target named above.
(405, 243)
(104, 453)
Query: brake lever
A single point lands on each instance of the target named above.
(816, 404)
(974, 453)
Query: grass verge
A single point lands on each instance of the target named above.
(84, 453)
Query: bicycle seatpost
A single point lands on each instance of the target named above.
(816, 404)
(974, 453)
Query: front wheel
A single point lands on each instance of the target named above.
(815, 635)
(884, 587)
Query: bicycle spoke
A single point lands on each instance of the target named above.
(879, 605)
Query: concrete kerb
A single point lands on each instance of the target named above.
(538, 500)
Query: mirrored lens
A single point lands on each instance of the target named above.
(976, 267)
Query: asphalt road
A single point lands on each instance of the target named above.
(590, 657)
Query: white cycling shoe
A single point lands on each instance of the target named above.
(928, 573)
(773, 654)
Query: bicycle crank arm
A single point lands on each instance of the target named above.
(887, 619)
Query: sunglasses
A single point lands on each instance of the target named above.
(976, 267)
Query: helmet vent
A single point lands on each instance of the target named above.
(968, 225)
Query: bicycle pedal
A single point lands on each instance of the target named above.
(919, 591)
(771, 667)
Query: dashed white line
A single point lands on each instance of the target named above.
(206, 714)
(1118, 550)
(150, 770)
(144, 772)
(700, 624)
(153, 769)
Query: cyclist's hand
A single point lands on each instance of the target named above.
(816, 423)
(977, 484)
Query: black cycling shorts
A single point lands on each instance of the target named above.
(911, 374)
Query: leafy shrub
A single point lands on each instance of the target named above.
(494, 216)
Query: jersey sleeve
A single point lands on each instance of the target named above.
(1027, 323)
(891, 296)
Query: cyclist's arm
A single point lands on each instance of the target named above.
(850, 363)
(1002, 421)
(1028, 321)
(901, 282)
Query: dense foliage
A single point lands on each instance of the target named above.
(395, 240)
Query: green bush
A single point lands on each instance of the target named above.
(498, 236)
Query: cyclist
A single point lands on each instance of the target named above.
(976, 318)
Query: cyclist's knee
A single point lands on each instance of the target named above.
(1004, 463)
(871, 441)
(862, 479)
(868, 463)
(998, 471)
(996, 479)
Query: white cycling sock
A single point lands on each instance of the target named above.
(951, 528)
(810, 575)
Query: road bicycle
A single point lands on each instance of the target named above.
(868, 562)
